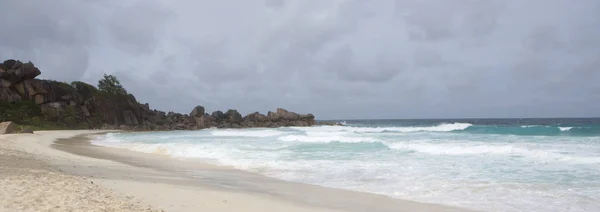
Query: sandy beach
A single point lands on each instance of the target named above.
(62, 171)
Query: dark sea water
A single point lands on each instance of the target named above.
(482, 164)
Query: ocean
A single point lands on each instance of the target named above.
(482, 164)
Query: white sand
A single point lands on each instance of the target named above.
(29, 184)
(37, 174)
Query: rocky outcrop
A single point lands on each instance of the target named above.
(14, 80)
(15, 71)
(232, 116)
(27, 130)
(7, 128)
(82, 105)
(281, 118)
(197, 111)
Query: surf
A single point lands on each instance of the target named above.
(447, 161)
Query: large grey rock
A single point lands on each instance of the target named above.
(200, 122)
(29, 71)
(26, 90)
(17, 64)
(53, 109)
(146, 107)
(8, 95)
(233, 116)
(218, 115)
(256, 117)
(284, 114)
(26, 130)
(8, 127)
(37, 85)
(17, 72)
(5, 83)
(8, 64)
(129, 118)
(20, 88)
(85, 111)
(39, 99)
(197, 111)
(273, 116)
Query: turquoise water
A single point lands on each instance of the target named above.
(489, 165)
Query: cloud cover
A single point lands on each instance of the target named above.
(337, 59)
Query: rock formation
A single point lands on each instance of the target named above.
(7, 128)
(79, 105)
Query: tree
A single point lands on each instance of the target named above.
(111, 85)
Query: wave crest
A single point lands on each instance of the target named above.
(446, 127)
(246, 133)
(461, 149)
(564, 129)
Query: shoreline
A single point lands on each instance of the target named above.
(189, 185)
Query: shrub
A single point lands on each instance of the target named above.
(18, 111)
(87, 91)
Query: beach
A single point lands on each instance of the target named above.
(62, 171)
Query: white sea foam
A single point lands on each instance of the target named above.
(457, 149)
(565, 129)
(529, 126)
(452, 149)
(325, 139)
(246, 133)
(479, 171)
(107, 138)
(438, 128)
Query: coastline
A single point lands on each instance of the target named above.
(184, 185)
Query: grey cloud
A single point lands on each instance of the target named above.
(442, 19)
(50, 34)
(138, 27)
(275, 3)
(382, 69)
(27, 25)
(423, 57)
(543, 38)
(337, 59)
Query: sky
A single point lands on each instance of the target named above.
(337, 59)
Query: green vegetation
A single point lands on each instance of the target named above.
(63, 85)
(27, 113)
(110, 85)
(109, 97)
(86, 90)
(19, 111)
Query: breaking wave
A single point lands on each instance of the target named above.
(246, 133)
(534, 130)
(439, 163)
(500, 150)
(438, 128)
